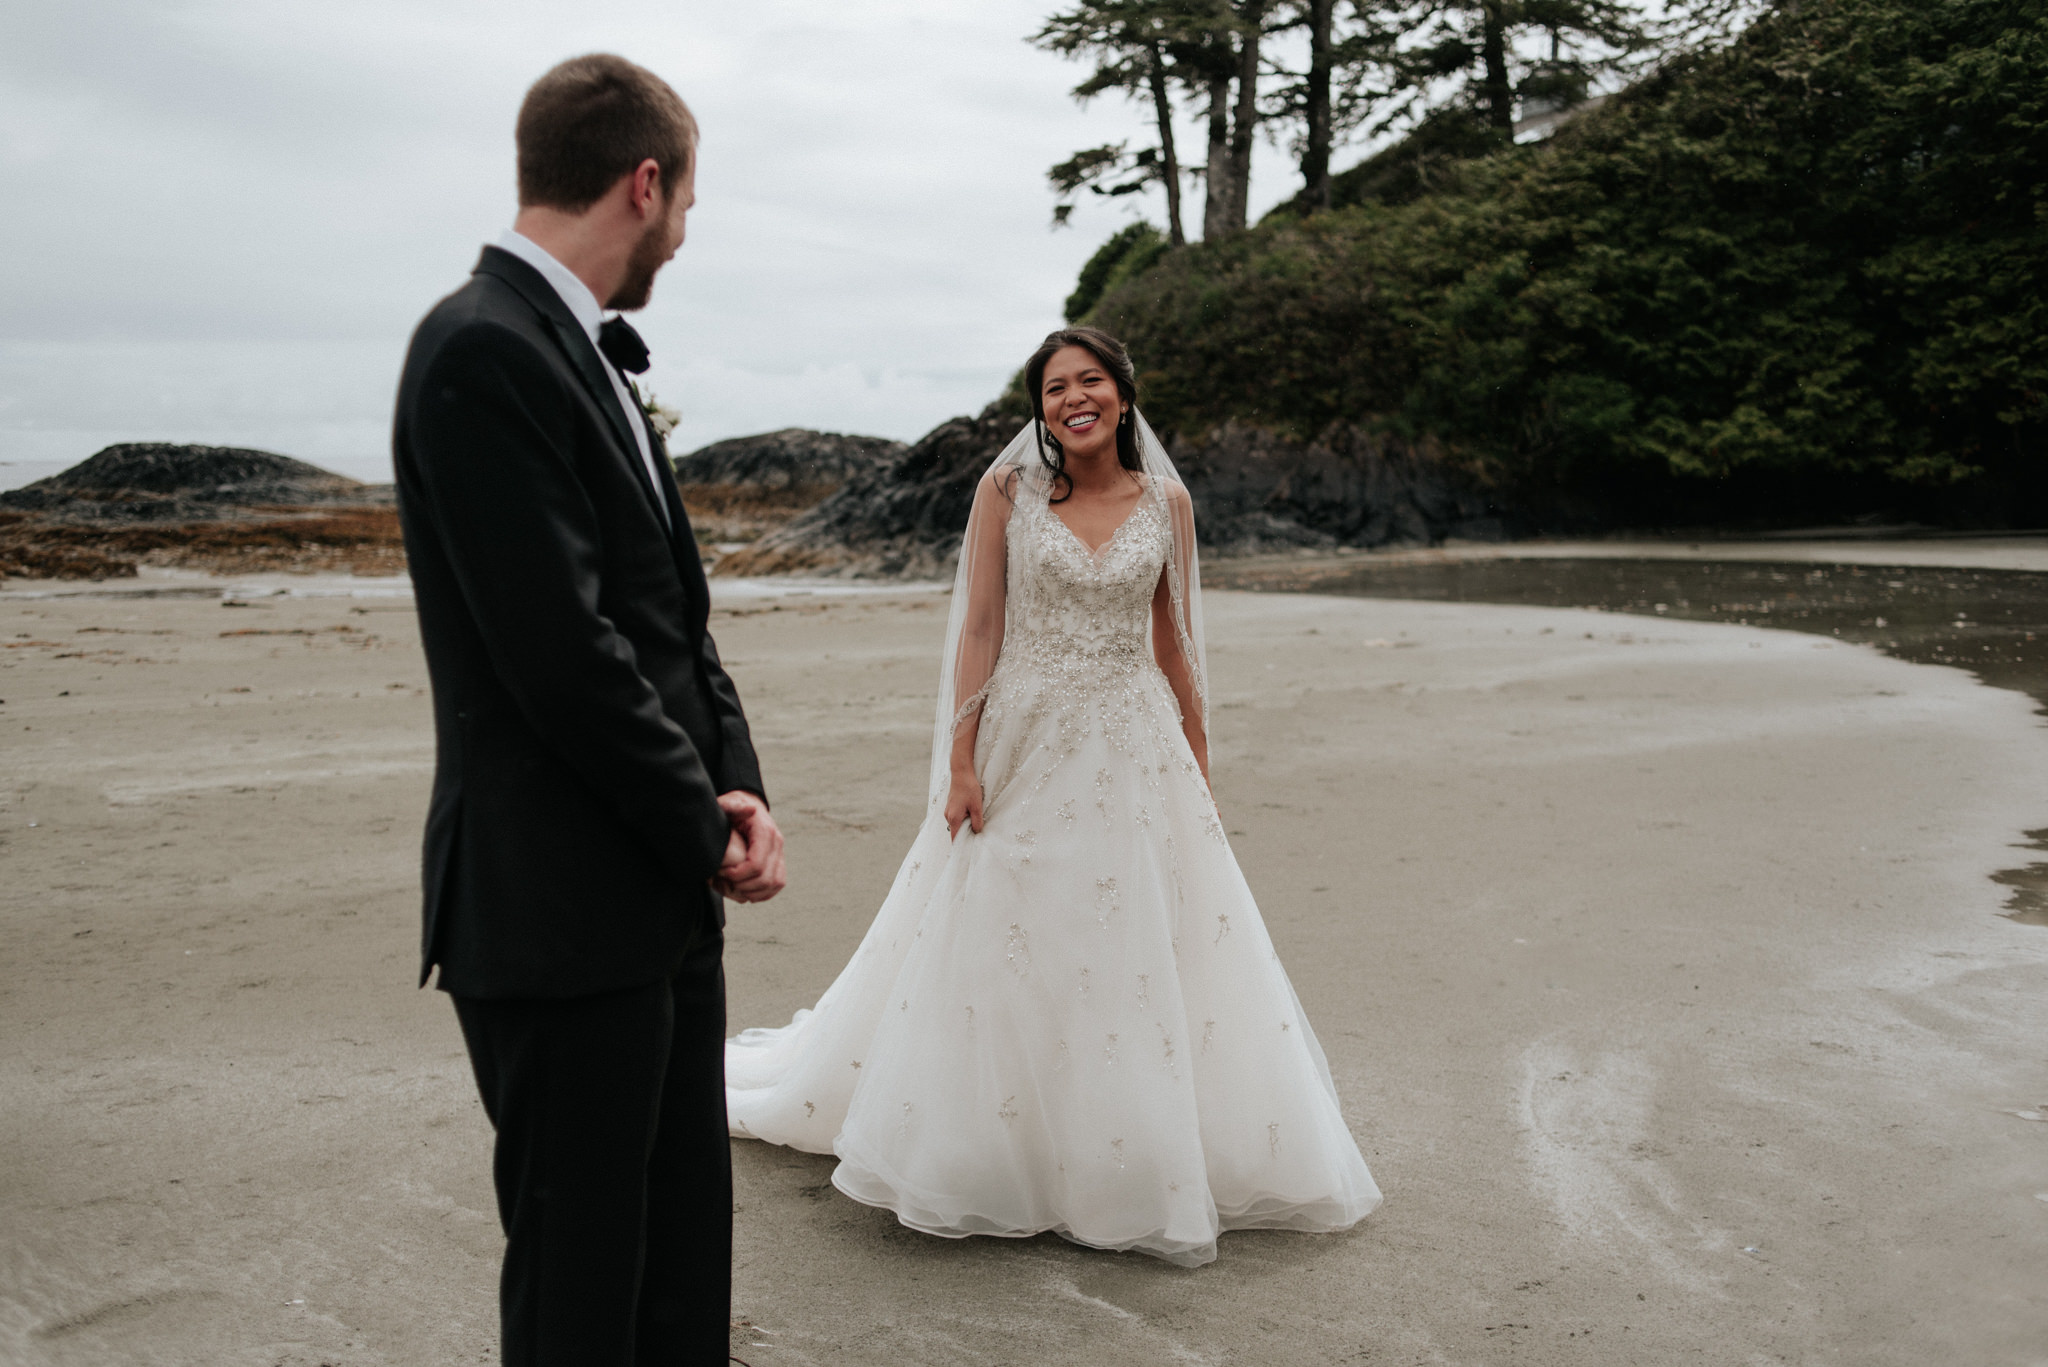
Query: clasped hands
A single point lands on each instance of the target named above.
(752, 869)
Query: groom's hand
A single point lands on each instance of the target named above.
(752, 871)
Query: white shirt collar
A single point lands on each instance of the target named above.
(582, 303)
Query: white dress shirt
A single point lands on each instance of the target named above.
(587, 311)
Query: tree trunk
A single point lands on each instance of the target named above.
(1493, 51)
(1246, 121)
(1315, 156)
(1162, 108)
(1216, 206)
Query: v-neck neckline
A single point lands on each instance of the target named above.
(1108, 541)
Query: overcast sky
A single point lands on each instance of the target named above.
(225, 216)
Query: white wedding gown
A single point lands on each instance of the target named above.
(1073, 1021)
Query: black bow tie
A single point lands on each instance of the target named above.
(622, 346)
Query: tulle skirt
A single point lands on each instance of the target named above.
(1073, 1021)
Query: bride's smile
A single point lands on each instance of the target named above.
(1082, 405)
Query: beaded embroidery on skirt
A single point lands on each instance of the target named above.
(1073, 1021)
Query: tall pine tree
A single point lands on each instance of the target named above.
(1209, 49)
(1141, 48)
(1499, 53)
(1352, 70)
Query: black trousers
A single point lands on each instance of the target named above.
(613, 1170)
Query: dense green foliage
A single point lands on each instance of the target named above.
(1816, 255)
(1125, 254)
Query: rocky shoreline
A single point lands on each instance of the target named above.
(792, 501)
(219, 508)
(1255, 493)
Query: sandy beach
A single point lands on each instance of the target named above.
(1658, 963)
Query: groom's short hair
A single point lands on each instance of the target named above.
(591, 120)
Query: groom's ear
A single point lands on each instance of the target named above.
(645, 191)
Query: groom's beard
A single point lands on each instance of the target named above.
(649, 256)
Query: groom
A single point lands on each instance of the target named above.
(596, 793)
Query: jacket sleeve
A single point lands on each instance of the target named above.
(738, 766)
(493, 429)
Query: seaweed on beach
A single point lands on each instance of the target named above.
(361, 540)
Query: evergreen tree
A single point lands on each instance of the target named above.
(1706, 23)
(1210, 49)
(1244, 122)
(1352, 66)
(1214, 60)
(1215, 52)
(1502, 52)
(1320, 16)
(1140, 48)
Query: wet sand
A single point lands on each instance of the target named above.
(1658, 963)
(1987, 613)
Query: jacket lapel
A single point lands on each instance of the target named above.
(589, 367)
(682, 537)
(582, 356)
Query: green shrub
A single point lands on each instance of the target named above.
(1128, 251)
(1816, 255)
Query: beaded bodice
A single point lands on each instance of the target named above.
(1070, 606)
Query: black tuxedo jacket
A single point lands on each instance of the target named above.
(584, 726)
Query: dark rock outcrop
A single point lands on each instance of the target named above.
(902, 518)
(742, 489)
(161, 481)
(1254, 492)
(219, 508)
(792, 458)
(1257, 492)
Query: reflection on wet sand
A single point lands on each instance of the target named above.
(2029, 901)
(1993, 623)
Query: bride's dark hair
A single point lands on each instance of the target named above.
(1110, 352)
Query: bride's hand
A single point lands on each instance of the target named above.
(963, 804)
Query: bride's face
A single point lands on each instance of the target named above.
(1082, 406)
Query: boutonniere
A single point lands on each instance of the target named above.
(660, 416)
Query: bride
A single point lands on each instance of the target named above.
(1067, 1015)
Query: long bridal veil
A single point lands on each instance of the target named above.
(990, 589)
